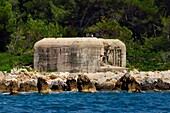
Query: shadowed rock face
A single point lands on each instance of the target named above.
(42, 86)
(84, 84)
(58, 87)
(106, 86)
(154, 84)
(72, 84)
(4, 88)
(13, 86)
(128, 83)
(28, 86)
(162, 85)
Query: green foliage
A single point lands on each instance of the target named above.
(147, 56)
(9, 61)
(59, 13)
(166, 23)
(6, 62)
(153, 55)
(31, 32)
(143, 25)
(145, 5)
(5, 13)
(5, 16)
(110, 29)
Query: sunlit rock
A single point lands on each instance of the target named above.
(84, 84)
(42, 86)
(128, 83)
(106, 86)
(72, 84)
(28, 86)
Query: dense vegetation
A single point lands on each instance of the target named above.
(144, 25)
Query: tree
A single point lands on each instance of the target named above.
(5, 15)
(139, 17)
(26, 35)
(109, 28)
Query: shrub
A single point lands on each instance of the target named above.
(9, 61)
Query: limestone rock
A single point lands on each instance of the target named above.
(166, 76)
(128, 83)
(28, 86)
(8, 84)
(42, 86)
(148, 83)
(3, 87)
(106, 86)
(72, 84)
(154, 84)
(53, 76)
(13, 86)
(151, 74)
(58, 85)
(161, 85)
(84, 84)
(135, 71)
(118, 85)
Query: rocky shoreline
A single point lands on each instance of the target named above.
(22, 80)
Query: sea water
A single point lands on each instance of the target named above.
(77, 102)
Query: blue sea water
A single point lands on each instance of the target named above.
(77, 102)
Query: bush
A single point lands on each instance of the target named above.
(9, 61)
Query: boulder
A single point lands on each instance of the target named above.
(161, 85)
(53, 76)
(106, 86)
(3, 87)
(58, 85)
(166, 76)
(84, 84)
(118, 85)
(128, 83)
(72, 84)
(13, 86)
(9, 85)
(148, 83)
(28, 86)
(154, 84)
(42, 86)
(151, 74)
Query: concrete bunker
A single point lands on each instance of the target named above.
(113, 53)
(78, 54)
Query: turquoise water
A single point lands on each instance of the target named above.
(77, 102)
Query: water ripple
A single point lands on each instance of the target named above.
(77, 102)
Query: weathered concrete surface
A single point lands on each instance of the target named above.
(116, 53)
(78, 54)
(67, 54)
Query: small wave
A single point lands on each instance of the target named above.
(27, 93)
(4, 93)
(3, 103)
